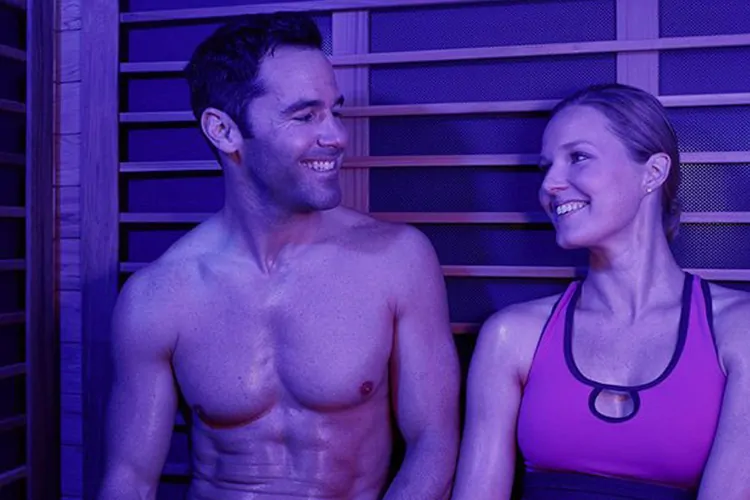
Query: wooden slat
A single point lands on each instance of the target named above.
(9, 371)
(463, 217)
(12, 53)
(99, 244)
(531, 272)
(439, 217)
(12, 265)
(11, 423)
(309, 6)
(12, 212)
(12, 106)
(18, 4)
(638, 20)
(42, 336)
(170, 166)
(488, 160)
(716, 157)
(12, 476)
(12, 159)
(511, 271)
(479, 160)
(499, 52)
(453, 108)
(350, 32)
(15, 318)
(702, 100)
(465, 328)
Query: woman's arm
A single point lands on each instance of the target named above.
(498, 369)
(727, 473)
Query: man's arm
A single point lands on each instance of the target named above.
(727, 473)
(143, 402)
(424, 374)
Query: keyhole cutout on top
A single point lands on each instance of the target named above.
(613, 405)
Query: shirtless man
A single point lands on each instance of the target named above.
(296, 330)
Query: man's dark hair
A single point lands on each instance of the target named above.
(223, 71)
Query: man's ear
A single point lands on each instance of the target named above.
(657, 171)
(221, 131)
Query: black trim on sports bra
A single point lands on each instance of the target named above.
(632, 391)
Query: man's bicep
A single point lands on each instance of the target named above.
(425, 360)
(143, 401)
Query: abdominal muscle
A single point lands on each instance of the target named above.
(292, 452)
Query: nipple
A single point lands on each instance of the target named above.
(366, 388)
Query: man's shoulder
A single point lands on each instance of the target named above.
(372, 232)
(155, 297)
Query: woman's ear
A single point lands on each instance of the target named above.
(657, 171)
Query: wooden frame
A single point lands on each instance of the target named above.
(99, 225)
(636, 49)
(309, 6)
(502, 52)
(42, 340)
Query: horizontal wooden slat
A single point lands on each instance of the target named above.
(453, 108)
(12, 476)
(309, 6)
(702, 100)
(500, 52)
(9, 371)
(12, 265)
(11, 423)
(465, 328)
(12, 53)
(12, 106)
(716, 157)
(463, 217)
(571, 272)
(441, 217)
(12, 159)
(422, 161)
(12, 212)
(19, 4)
(530, 272)
(12, 318)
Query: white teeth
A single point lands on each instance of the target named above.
(320, 166)
(571, 206)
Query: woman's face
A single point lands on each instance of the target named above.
(592, 188)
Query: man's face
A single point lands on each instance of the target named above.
(295, 154)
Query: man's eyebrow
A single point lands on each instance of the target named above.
(309, 103)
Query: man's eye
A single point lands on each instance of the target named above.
(304, 118)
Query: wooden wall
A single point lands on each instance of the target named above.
(650, 43)
(68, 198)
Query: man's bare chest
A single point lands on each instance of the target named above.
(310, 344)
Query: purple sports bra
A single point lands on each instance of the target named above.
(668, 433)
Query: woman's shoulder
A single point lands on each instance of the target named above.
(511, 334)
(731, 324)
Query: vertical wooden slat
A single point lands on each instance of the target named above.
(99, 225)
(638, 20)
(42, 343)
(351, 36)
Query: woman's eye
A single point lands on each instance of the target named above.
(578, 156)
